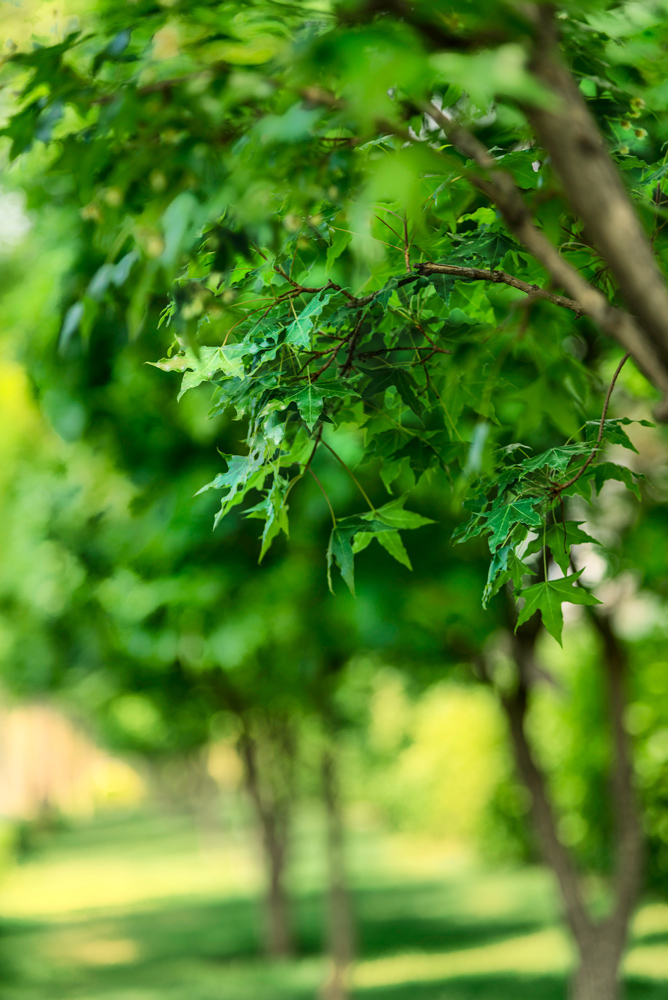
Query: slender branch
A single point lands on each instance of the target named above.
(351, 347)
(601, 428)
(306, 468)
(499, 277)
(329, 503)
(499, 186)
(351, 474)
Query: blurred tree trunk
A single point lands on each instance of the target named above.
(272, 808)
(340, 923)
(597, 976)
(600, 943)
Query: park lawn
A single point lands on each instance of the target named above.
(150, 907)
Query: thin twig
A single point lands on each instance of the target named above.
(307, 466)
(351, 348)
(601, 428)
(499, 277)
(351, 474)
(329, 504)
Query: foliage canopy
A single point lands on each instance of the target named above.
(364, 217)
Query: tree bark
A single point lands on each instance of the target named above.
(340, 924)
(273, 818)
(600, 944)
(278, 932)
(594, 188)
(597, 976)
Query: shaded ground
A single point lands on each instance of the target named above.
(149, 908)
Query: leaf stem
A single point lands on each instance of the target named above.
(352, 476)
(329, 504)
(601, 427)
(307, 466)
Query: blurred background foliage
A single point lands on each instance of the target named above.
(143, 656)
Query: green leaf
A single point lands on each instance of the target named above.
(393, 514)
(274, 510)
(395, 546)
(340, 549)
(605, 471)
(407, 389)
(497, 567)
(502, 519)
(299, 331)
(340, 240)
(613, 430)
(555, 458)
(559, 538)
(547, 597)
(205, 366)
(180, 223)
(310, 397)
(244, 472)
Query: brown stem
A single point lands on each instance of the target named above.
(351, 346)
(482, 274)
(601, 427)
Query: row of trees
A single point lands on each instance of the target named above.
(412, 249)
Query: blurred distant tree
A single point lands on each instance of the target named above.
(429, 225)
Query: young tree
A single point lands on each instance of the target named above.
(439, 226)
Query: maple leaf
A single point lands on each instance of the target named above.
(547, 597)
(502, 518)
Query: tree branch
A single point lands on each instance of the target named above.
(601, 428)
(499, 277)
(594, 189)
(498, 185)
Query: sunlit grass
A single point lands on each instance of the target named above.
(148, 909)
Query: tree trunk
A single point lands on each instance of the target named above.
(340, 926)
(600, 944)
(273, 819)
(597, 976)
(278, 933)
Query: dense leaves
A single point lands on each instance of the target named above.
(278, 183)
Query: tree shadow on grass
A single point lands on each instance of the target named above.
(491, 987)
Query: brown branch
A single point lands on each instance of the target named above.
(348, 363)
(499, 277)
(499, 186)
(594, 188)
(601, 428)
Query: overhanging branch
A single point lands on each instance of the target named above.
(498, 185)
(594, 188)
(499, 277)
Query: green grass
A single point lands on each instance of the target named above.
(146, 907)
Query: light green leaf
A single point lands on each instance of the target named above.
(393, 514)
(205, 366)
(395, 546)
(299, 331)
